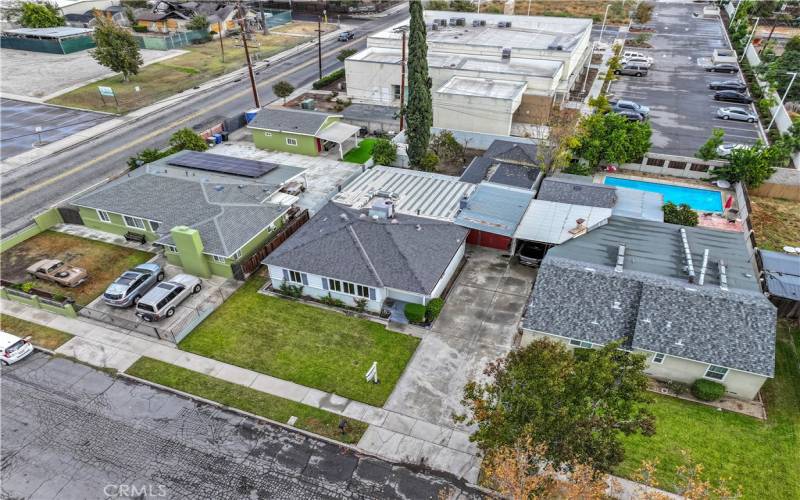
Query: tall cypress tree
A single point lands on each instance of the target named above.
(418, 112)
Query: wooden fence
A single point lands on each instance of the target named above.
(242, 269)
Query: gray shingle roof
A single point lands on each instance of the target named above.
(477, 169)
(565, 190)
(226, 215)
(372, 113)
(650, 303)
(289, 120)
(515, 152)
(338, 243)
(515, 175)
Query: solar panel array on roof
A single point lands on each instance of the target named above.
(222, 164)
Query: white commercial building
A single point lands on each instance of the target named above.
(487, 70)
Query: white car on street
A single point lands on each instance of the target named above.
(739, 114)
(725, 150)
(13, 348)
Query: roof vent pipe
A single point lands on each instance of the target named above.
(620, 258)
(688, 255)
(723, 276)
(703, 268)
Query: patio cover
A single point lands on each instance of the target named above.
(550, 221)
(782, 272)
(338, 132)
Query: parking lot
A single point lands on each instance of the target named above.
(683, 110)
(20, 119)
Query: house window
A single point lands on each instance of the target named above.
(154, 225)
(217, 258)
(580, 343)
(267, 134)
(291, 142)
(237, 255)
(335, 285)
(348, 288)
(171, 248)
(716, 372)
(134, 222)
(103, 216)
(295, 277)
(658, 357)
(396, 89)
(362, 291)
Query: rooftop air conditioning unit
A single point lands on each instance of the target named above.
(506, 53)
(461, 21)
(501, 24)
(434, 27)
(483, 22)
(508, 24)
(442, 22)
(453, 21)
(476, 23)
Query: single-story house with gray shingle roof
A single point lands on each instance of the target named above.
(374, 254)
(687, 297)
(302, 132)
(566, 189)
(206, 222)
(513, 152)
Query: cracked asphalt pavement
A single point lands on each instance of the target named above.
(70, 431)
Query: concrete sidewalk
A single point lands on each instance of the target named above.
(391, 435)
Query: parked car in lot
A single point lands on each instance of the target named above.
(632, 54)
(13, 348)
(723, 68)
(625, 105)
(531, 254)
(346, 35)
(725, 150)
(58, 272)
(739, 114)
(641, 61)
(131, 286)
(632, 116)
(160, 302)
(631, 70)
(728, 85)
(732, 96)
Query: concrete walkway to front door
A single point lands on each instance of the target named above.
(476, 326)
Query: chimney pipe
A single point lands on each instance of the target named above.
(723, 276)
(688, 255)
(703, 267)
(620, 258)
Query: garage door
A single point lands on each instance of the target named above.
(484, 239)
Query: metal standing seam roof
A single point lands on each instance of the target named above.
(58, 32)
(415, 193)
(782, 273)
(495, 209)
(550, 221)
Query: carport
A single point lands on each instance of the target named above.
(340, 133)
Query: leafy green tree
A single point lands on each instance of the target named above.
(680, 214)
(463, 6)
(384, 152)
(198, 23)
(750, 166)
(777, 71)
(610, 138)
(186, 138)
(344, 54)
(437, 5)
(429, 162)
(708, 151)
(283, 89)
(39, 15)
(446, 147)
(117, 49)
(146, 156)
(643, 13)
(577, 405)
(419, 110)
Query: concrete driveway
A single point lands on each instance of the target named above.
(476, 326)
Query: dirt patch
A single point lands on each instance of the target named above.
(302, 28)
(103, 261)
(457, 166)
(325, 101)
(577, 8)
(775, 222)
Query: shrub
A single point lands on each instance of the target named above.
(643, 13)
(186, 138)
(139, 29)
(678, 388)
(433, 309)
(384, 152)
(328, 79)
(361, 304)
(708, 151)
(295, 291)
(679, 214)
(707, 390)
(331, 301)
(415, 313)
(27, 286)
(429, 161)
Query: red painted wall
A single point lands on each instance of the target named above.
(490, 240)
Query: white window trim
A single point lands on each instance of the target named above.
(655, 358)
(217, 258)
(727, 371)
(299, 280)
(150, 223)
(125, 220)
(237, 255)
(581, 343)
(171, 248)
(291, 141)
(101, 213)
(267, 134)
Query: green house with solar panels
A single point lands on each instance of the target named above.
(209, 213)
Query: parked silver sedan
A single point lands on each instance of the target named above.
(739, 114)
(133, 284)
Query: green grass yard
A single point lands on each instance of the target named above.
(305, 344)
(250, 400)
(761, 457)
(362, 153)
(41, 336)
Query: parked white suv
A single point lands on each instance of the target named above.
(646, 62)
(637, 55)
(13, 348)
(160, 302)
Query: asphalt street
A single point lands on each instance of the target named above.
(71, 431)
(26, 191)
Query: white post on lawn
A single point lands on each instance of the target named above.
(372, 373)
(783, 99)
(603, 29)
(749, 39)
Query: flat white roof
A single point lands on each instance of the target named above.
(57, 32)
(550, 221)
(415, 193)
(483, 87)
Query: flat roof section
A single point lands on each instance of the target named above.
(483, 87)
(551, 222)
(58, 32)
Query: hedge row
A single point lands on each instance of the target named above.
(328, 79)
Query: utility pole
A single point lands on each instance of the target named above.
(247, 54)
(771, 31)
(221, 46)
(319, 45)
(402, 79)
(264, 26)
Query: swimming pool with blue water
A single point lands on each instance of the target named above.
(702, 200)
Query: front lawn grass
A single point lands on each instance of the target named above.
(41, 336)
(775, 222)
(362, 153)
(305, 344)
(244, 398)
(761, 457)
(160, 80)
(102, 261)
